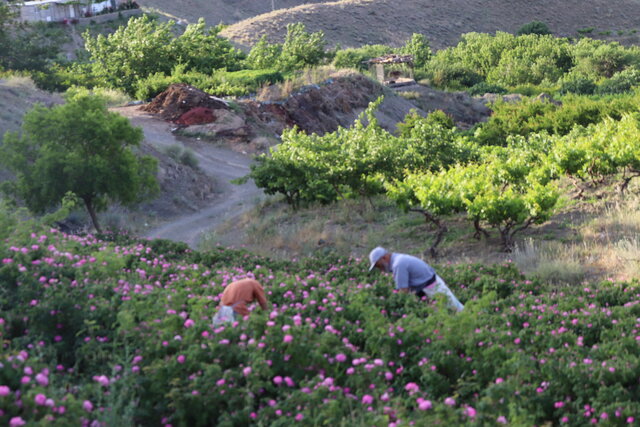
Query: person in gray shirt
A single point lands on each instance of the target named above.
(412, 274)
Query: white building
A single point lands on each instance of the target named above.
(59, 10)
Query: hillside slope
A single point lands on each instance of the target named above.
(356, 22)
(217, 11)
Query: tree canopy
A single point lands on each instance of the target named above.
(77, 147)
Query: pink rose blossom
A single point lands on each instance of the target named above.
(40, 399)
(424, 405)
(16, 422)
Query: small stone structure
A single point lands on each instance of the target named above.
(393, 69)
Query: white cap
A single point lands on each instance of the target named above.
(375, 255)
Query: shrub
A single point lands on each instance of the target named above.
(484, 87)
(263, 54)
(534, 27)
(184, 155)
(356, 57)
(189, 158)
(417, 46)
(214, 84)
(301, 49)
(579, 85)
(453, 76)
(620, 82)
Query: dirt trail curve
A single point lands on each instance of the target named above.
(221, 164)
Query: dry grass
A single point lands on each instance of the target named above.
(596, 242)
(352, 23)
(19, 82)
(309, 76)
(605, 246)
(114, 98)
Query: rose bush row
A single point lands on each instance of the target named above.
(116, 331)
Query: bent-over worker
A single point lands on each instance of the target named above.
(412, 274)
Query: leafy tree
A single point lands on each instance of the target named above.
(264, 55)
(202, 49)
(24, 46)
(620, 82)
(534, 27)
(597, 58)
(80, 147)
(588, 156)
(435, 195)
(301, 49)
(418, 46)
(578, 84)
(145, 47)
(136, 51)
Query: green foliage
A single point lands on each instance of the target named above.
(301, 49)
(60, 77)
(534, 27)
(531, 116)
(528, 59)
(201, 49)
(125, 326)
(220, 83)
(79, 147)
(354, 162)
(436, 140)
(599, 151)
(596, 58)
(27, 46)
(136, 51)
(357, 58)
(578, 84)
(263, 54)
(452, 76)
(503, 59)
(621, 82)
(484, 87)
(186, 156)
(145, 47)
(418, 46)
(510, 190)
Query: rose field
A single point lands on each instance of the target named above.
(118, 332)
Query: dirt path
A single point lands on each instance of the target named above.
(221, 164)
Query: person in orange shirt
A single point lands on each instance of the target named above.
(235, 298)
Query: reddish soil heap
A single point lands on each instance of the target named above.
(197, 116)
(180, 98)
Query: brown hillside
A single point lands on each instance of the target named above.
(217, 11)
(356, 22)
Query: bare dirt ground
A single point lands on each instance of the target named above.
(218, 163)
(352, 23)
(356, 22)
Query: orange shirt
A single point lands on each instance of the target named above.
(243, 292)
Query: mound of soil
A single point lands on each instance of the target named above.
(197, 116)
(338, 101)
(181, 98)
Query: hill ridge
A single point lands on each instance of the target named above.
(355, 22)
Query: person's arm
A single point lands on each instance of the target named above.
(401, 277)
(259, 295)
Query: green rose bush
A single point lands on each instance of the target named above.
(118, 332)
